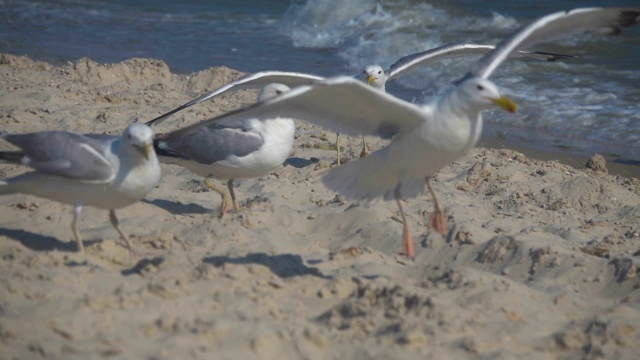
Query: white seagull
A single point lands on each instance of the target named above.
(107, 172)
(374, 76)
(425, 138)
(231, 150)
(377, 77)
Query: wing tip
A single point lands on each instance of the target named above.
(625, 18)
(629, 17)
(12, 157)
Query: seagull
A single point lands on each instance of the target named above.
(374, 76)
(377, 77)
(424, 138)
(107, 172)
(231, 150)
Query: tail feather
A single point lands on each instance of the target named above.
(163, 151)
(13, 157)
(372, 177)
(164, 116)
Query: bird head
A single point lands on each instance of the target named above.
(375, 76)
(483, 94)
(139, 137)
(272, 91)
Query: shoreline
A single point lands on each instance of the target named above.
(568, 156)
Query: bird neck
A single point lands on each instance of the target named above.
(461, 117)
(131, 155)
(454, 103)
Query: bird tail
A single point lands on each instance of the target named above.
(164, 153)
(13, 157)
(372, 177)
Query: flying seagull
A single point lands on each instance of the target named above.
(377, 77)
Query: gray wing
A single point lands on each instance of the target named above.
(65, 154)
(251, 81)
(563, 23)
(209, 144)
(342, 104)
(452, 50)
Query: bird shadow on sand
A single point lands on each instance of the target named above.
(179, 208)
(283, 265)
(299, 163)
(38, 242)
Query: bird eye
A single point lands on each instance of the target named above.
(278, 92)
(379, 71)
(480, 87)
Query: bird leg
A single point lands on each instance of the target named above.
(223, 195)
(116, 225)
(76, 215)
(338, 148)
(365, 148)
(236, 208)
(437, 220)
(407, 242)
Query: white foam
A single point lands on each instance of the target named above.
(574, 98)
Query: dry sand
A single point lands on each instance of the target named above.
(541, 261)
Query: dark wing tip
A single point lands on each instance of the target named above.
(551, 57)
(151, 122)
(163, 151)
(14, 157)
(625, 19)
(158, 119)
(629, 18)
(162, 117)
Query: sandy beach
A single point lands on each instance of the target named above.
(541, 260)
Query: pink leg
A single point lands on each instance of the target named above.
(116, 225)
(437, 220)
(407, 242)
(365, 148)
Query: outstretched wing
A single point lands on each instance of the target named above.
(559, 24)
(410, 62)
(251, 81)
(342, 104)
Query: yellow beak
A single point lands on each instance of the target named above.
(146, 150)
(505, 103)
(371, 79)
